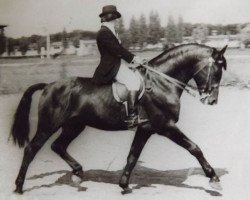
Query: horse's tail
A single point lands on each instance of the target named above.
(20, 127)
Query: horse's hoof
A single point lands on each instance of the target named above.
(18, 191)
(215, 183)
(76, 179)
(79, 174)
(126, 190)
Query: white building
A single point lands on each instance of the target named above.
(87, 47)
(70, 50)
(56, 47)
(245, 36)
(219, 41)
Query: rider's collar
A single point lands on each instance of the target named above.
(110, 26)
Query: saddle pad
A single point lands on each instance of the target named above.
(120, 91)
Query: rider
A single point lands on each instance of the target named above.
(111, 67)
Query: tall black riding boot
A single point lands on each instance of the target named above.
(132, 117)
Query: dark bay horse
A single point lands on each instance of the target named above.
(73, 103)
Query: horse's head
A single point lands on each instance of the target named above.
(208, 76)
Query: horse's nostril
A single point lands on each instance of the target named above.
(213, 102)
(203, 100)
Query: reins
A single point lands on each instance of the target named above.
(176, 82)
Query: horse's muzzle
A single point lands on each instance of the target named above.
(208, 99)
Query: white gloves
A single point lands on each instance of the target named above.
(138, 61)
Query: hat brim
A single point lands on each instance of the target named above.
(113, 12)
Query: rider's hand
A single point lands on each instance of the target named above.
(144, 61)
(138, 60)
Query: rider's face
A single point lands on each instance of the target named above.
(115, 21)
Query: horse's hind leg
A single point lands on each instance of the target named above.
(69, 133)
(29, 153)
(174, 134)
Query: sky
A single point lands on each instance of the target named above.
(27, 17)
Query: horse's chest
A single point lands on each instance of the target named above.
(169, 106)
(167, 102)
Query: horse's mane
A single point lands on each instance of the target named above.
(176, 51)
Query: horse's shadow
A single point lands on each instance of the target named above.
(141, 177)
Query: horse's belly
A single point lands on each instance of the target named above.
(105, 116)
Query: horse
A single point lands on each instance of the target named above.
(76, 102)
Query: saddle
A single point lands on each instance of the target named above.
(120, 91)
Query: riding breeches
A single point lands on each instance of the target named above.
(128, 77)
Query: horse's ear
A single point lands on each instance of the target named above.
(218, 56)
(222, 51)
(222, 58)
(215, 54)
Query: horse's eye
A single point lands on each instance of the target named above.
(202, 90)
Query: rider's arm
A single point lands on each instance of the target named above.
(109, 41)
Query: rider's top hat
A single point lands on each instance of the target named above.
(110, 9)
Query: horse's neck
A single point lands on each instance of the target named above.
(181, 69)
(180, 62)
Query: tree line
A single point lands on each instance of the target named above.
(141, 31)
(37, 41)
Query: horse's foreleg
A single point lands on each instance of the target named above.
(29, 153)
(174, 134)
(140, 139)
(60, 145)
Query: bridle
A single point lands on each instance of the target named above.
(180, 84)
(211, 62)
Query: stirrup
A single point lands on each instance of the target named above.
(135, 121)
(132, 121)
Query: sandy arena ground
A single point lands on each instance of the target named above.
(164, 170)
